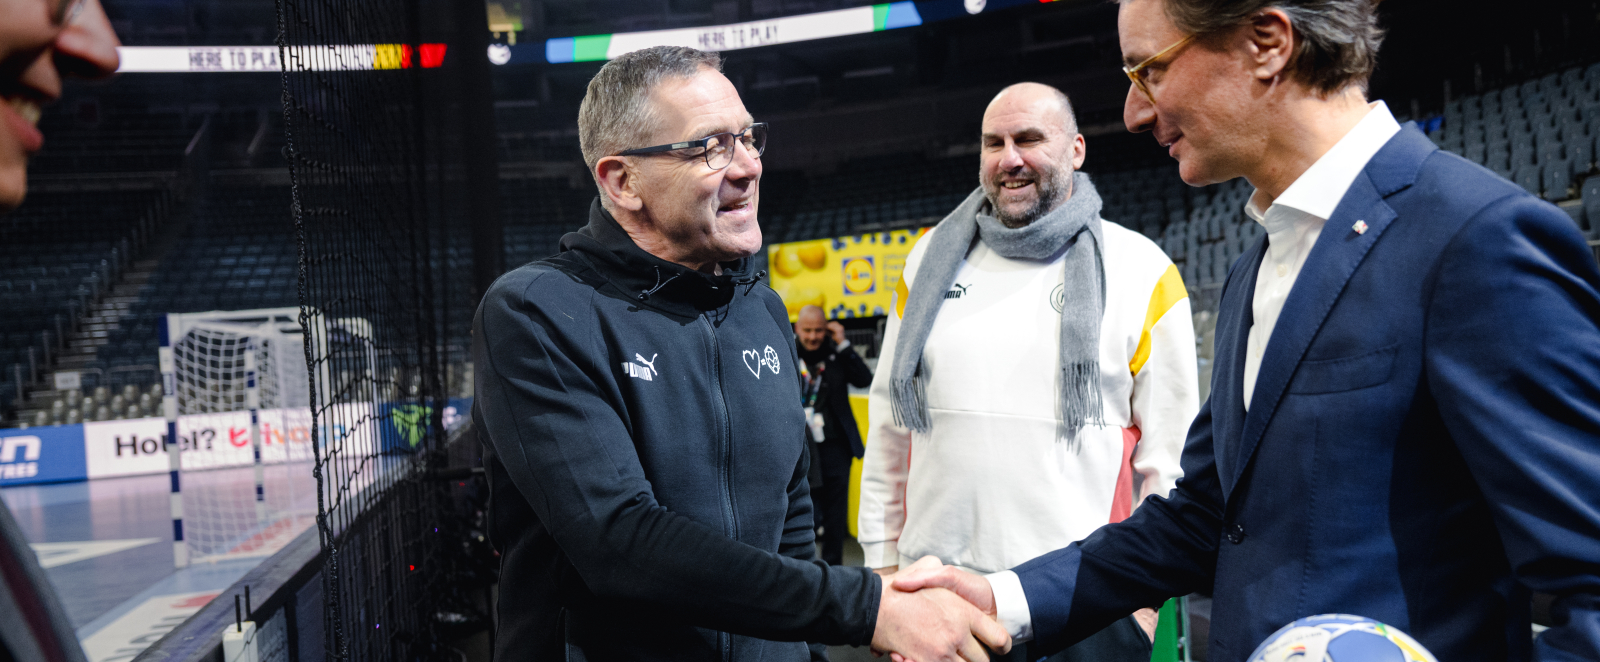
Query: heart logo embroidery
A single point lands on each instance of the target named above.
(772, 359)
(752, 362)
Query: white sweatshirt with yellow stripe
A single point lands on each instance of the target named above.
(991, 485)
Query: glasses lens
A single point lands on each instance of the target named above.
(720, 148)
(66, 10)
(1138, 81)
(719, 151)
(755, 140)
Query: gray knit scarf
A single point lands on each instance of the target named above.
(1082, 307)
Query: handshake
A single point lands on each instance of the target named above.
(931, 612)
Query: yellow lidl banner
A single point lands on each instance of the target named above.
(845, 276)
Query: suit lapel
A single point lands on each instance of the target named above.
(1235, 316)
(1339, 250)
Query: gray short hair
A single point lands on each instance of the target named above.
(616, 114)
(1337, 43)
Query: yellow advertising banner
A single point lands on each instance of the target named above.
(845, 276)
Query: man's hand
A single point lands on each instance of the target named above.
(935, 625)
(925, 574)
(887, 571)
(838, 332)
(1147, 618)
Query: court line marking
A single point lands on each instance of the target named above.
(52, 554)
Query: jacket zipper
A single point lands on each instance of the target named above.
(726, 470)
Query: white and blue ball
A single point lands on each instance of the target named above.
(1340, 638)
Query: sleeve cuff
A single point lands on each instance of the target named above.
(1011, 605)
(842, 346)
(880, 554)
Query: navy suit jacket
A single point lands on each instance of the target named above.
(1422, 447)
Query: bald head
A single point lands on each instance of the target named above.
(1030, 148)
(811, 328)
(1038, 99)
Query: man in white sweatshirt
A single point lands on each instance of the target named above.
(1040, 377)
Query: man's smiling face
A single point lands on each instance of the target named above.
(706, 215)
(1030, 149)
(40, 42)
(1205, 111)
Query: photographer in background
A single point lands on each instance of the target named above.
(833, 369)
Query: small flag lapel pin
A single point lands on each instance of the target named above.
(1360, 227)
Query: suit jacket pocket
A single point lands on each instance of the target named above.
(1344, 374)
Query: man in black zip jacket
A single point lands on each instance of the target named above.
(639, 401)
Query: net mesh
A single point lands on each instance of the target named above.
(366, 224)
(213, 354)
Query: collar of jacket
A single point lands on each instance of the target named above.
(649, 280)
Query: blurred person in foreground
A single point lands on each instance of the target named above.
(833, 367)
(640, 406)
(1403, 421)
(41, 41)
(1039, 372)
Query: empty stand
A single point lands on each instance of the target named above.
(63, 252)
(1539, 134)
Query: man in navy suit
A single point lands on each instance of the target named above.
(1404, 420)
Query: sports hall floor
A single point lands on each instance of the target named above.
(106, 545)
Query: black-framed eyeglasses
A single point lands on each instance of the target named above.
(718, 149)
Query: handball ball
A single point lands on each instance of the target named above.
(1340, 638)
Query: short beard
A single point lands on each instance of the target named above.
(1053, 189)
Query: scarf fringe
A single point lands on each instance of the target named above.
(1081, 400)
(910, 403)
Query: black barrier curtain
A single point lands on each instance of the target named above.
(367, 228)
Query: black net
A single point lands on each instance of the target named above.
(369, 279)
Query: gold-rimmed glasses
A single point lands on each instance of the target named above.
(64, 11)
(1136, 72)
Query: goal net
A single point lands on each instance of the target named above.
(237, 395)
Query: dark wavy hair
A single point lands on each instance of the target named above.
(1336, 41)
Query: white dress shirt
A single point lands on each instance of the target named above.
(1293, 223)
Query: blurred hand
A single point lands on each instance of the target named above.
(1147, 619)
(838, 332)
(935, 625)
(887, 571)
(927, 572)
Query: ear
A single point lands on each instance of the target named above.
(1079, 151)
(1271, 42)
(619, 182)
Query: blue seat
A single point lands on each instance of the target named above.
(1521, 158)
(1576, 213)
(1557, 179)
(1527, 178)
(1591, 205)
(1580, 151)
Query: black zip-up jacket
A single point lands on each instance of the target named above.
(646, 458)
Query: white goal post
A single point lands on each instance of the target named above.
(225, 374)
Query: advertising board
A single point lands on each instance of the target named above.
(845, 276)
(41, 455)
(131, 447)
